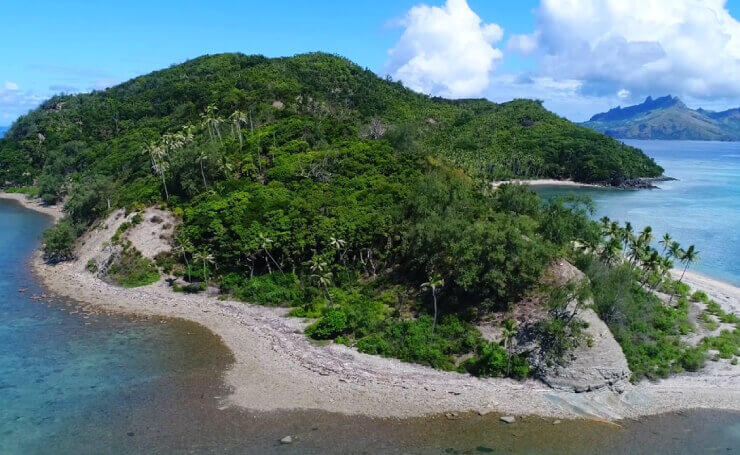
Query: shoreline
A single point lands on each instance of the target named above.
(277, 368)
(547, 182)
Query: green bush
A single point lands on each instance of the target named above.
(133, 270)
(331, 325)
(648, 331)
(270, 289)
(700, 296)
(58, 242)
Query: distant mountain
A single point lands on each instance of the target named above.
(3, 129)
(667, 118)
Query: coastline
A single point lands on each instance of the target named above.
(277, 368)
(547, 182)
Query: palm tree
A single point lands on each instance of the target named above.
(238, 118)
(690, 256)
(339, 245)
(508, 331)
(183, 247)
(265, 245)
(666, 241)
(322, 276)
(203, 156)
(211, 121)
(158, 155)
(206, 258)
(435, 282)
(611, 250)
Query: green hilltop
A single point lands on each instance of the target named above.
(312, 183)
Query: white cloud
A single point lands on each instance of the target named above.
(14, 102)
(684, 47)
(446, 51)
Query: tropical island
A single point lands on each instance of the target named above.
(323, 220)
(667, 118)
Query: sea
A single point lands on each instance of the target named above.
(701, 207)
(77, 382)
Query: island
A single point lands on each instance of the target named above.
(667, 118)
(341, 234)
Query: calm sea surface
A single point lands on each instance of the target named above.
(72, 383)
(701, 208)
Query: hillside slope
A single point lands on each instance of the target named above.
(495, 141)
(667, 118)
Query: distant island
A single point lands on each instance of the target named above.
(667, 118)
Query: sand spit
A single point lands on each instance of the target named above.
(277, 368)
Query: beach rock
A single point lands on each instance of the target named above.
(483, 412)
(287, 440)
(599, 361)
(452, 416)
(508, 419)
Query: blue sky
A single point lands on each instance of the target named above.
(72, 46)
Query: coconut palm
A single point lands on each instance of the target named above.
(265, 245)
(239, 118)
(202, 156)
(666, 242)
(690, 256)
(206, 258)
(612, 250)
(434, 284)
(183, 247)
(508, 331)
(158, 156)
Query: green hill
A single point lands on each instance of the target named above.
(667, 118)
(109, 128)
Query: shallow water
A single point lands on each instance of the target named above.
(701, 208)
(72, 383)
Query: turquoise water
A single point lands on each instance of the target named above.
(701, 208)
(76, 383)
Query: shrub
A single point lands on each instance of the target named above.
(331, 325)
(58, 242)
(700, 296)
(271, 289)
(133, 270)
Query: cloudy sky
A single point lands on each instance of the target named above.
(579, 56)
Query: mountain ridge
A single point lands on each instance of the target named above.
(667, 118)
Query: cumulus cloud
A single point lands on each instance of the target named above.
(11, 86)
(446, 50)
(638, 47)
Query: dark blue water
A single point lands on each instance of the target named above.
(701, 208)
(73, 383)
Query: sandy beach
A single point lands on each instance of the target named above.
(277, 368)
(547, 182)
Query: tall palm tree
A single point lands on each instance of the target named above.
(206, 258)
(239, 118)
(666, 241)
(690, 256)
(508, 331)
(265, 245)
(202, 156)
(183, 247)
(160, 166)
(434, 284)
(612, 250)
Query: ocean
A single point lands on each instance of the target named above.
(72, 382)
(701, 208)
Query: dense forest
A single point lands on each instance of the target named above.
(312, 183)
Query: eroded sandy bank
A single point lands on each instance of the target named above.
(276, 367)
